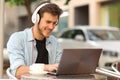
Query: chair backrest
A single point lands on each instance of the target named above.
(10, 75)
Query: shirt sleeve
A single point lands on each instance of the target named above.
(15, 51)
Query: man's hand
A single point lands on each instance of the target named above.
(51, 67)
(21, 71)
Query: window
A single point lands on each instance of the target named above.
(70, 34)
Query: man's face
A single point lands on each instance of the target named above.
(47, 24)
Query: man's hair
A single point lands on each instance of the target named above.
(50, 8)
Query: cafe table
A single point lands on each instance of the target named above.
(51, 77)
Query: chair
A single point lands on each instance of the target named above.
(115, 66)
(10, 75)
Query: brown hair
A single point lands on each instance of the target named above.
(50, 8)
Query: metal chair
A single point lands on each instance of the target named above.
(115, 65)
(10, 75)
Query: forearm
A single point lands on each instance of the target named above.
(21, 71)
(25, 69)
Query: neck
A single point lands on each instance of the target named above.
(36, 33)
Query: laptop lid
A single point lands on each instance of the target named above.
(78, 61)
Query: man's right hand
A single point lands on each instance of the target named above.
(21, 71)
(51, 67)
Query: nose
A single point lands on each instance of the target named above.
(52, 26)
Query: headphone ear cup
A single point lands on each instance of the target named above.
(33, 18)
(37, 18)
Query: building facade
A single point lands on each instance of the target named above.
(90, 12)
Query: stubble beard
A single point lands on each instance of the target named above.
(40, 32)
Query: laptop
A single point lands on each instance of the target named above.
(78, 61)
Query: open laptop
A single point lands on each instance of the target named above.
(78, 61)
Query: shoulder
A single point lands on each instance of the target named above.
(51, 37)
(19, 35)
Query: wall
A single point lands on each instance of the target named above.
(93, 7)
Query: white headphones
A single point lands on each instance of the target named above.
(35, 15)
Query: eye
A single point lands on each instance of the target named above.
(55, 23)
(48, 22)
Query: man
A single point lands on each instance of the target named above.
(36, 45)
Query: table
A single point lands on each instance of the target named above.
(51, 77)
(99, 75)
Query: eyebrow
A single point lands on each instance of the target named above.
(49, 21)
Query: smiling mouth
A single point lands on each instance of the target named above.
(48, 32)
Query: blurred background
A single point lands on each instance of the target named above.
(87, 13)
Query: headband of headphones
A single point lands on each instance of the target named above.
(35, 15)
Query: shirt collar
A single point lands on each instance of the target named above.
(30, 35)
(31, 38)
